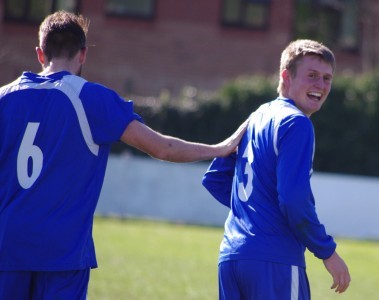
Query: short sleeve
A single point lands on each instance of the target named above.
(108, 114)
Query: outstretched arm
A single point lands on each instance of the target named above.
(339, 271)
(173, 149)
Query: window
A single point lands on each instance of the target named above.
(131, 8)
(333, 22)
(34, 11)
(245, 13)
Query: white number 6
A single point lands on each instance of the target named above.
(29, 151)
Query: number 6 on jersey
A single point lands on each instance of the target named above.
(29, 151)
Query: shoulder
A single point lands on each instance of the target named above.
(286, 114)
(296, 125)
(291, 125)
(88, 88)
(287, 108)
(280, 114)
(10, 87)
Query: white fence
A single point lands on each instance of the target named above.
(147, 188)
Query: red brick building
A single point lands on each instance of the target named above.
(145, 46)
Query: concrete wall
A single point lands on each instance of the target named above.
(146, 188)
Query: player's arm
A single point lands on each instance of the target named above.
(218, 179)
(297, 202)
(294, 164)
(173, 149)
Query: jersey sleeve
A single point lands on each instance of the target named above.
(219, 178)
(294, 168)
(108, 113)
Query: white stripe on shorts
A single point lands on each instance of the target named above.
(295, 283)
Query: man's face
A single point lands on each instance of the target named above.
(311, 84)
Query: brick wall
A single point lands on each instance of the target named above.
(184, 45)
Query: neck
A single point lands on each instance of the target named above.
(59, 65)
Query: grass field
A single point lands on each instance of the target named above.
(140, 260)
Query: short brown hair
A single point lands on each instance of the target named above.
(297, 50)
(63, 34)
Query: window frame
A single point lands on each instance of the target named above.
(26, 19)
(341, 36)
(240, 23)
(132, 15)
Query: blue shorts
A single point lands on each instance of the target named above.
(257, 280)
(26, 285)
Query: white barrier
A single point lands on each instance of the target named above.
(147, 188)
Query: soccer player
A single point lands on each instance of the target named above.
(266, 185)
(56, 133)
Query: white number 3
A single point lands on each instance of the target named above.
(29, 151)
(244, 191)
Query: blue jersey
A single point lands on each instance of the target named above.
(55, 138)
(267, 186)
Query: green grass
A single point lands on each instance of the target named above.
(157, 260)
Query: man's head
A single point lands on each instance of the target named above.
(62, 43)
(306, 73)
(62, 35)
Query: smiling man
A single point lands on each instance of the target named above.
(266, 185)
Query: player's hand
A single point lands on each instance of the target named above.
(339, 271)
(231, 143)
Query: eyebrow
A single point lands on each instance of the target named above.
(317, 71)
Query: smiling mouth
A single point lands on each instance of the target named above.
(315, 96)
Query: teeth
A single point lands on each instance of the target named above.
(314, 94)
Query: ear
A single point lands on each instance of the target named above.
(284, 83)
(83, 55)
(40, 56)
(285, 74)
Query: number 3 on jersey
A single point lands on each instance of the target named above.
(245, 190)
(29, 151)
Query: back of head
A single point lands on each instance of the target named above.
(62, 35)
(297, 50)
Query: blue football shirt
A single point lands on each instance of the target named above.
(267, 186)
(55, 138)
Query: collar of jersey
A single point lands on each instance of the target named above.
(288, 100)
(42, 78)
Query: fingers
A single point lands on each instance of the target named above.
(335, 285)
(339, 271)
(242, 127)
(233, 140)
(341, 284)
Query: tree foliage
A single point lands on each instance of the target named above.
(346, 128)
